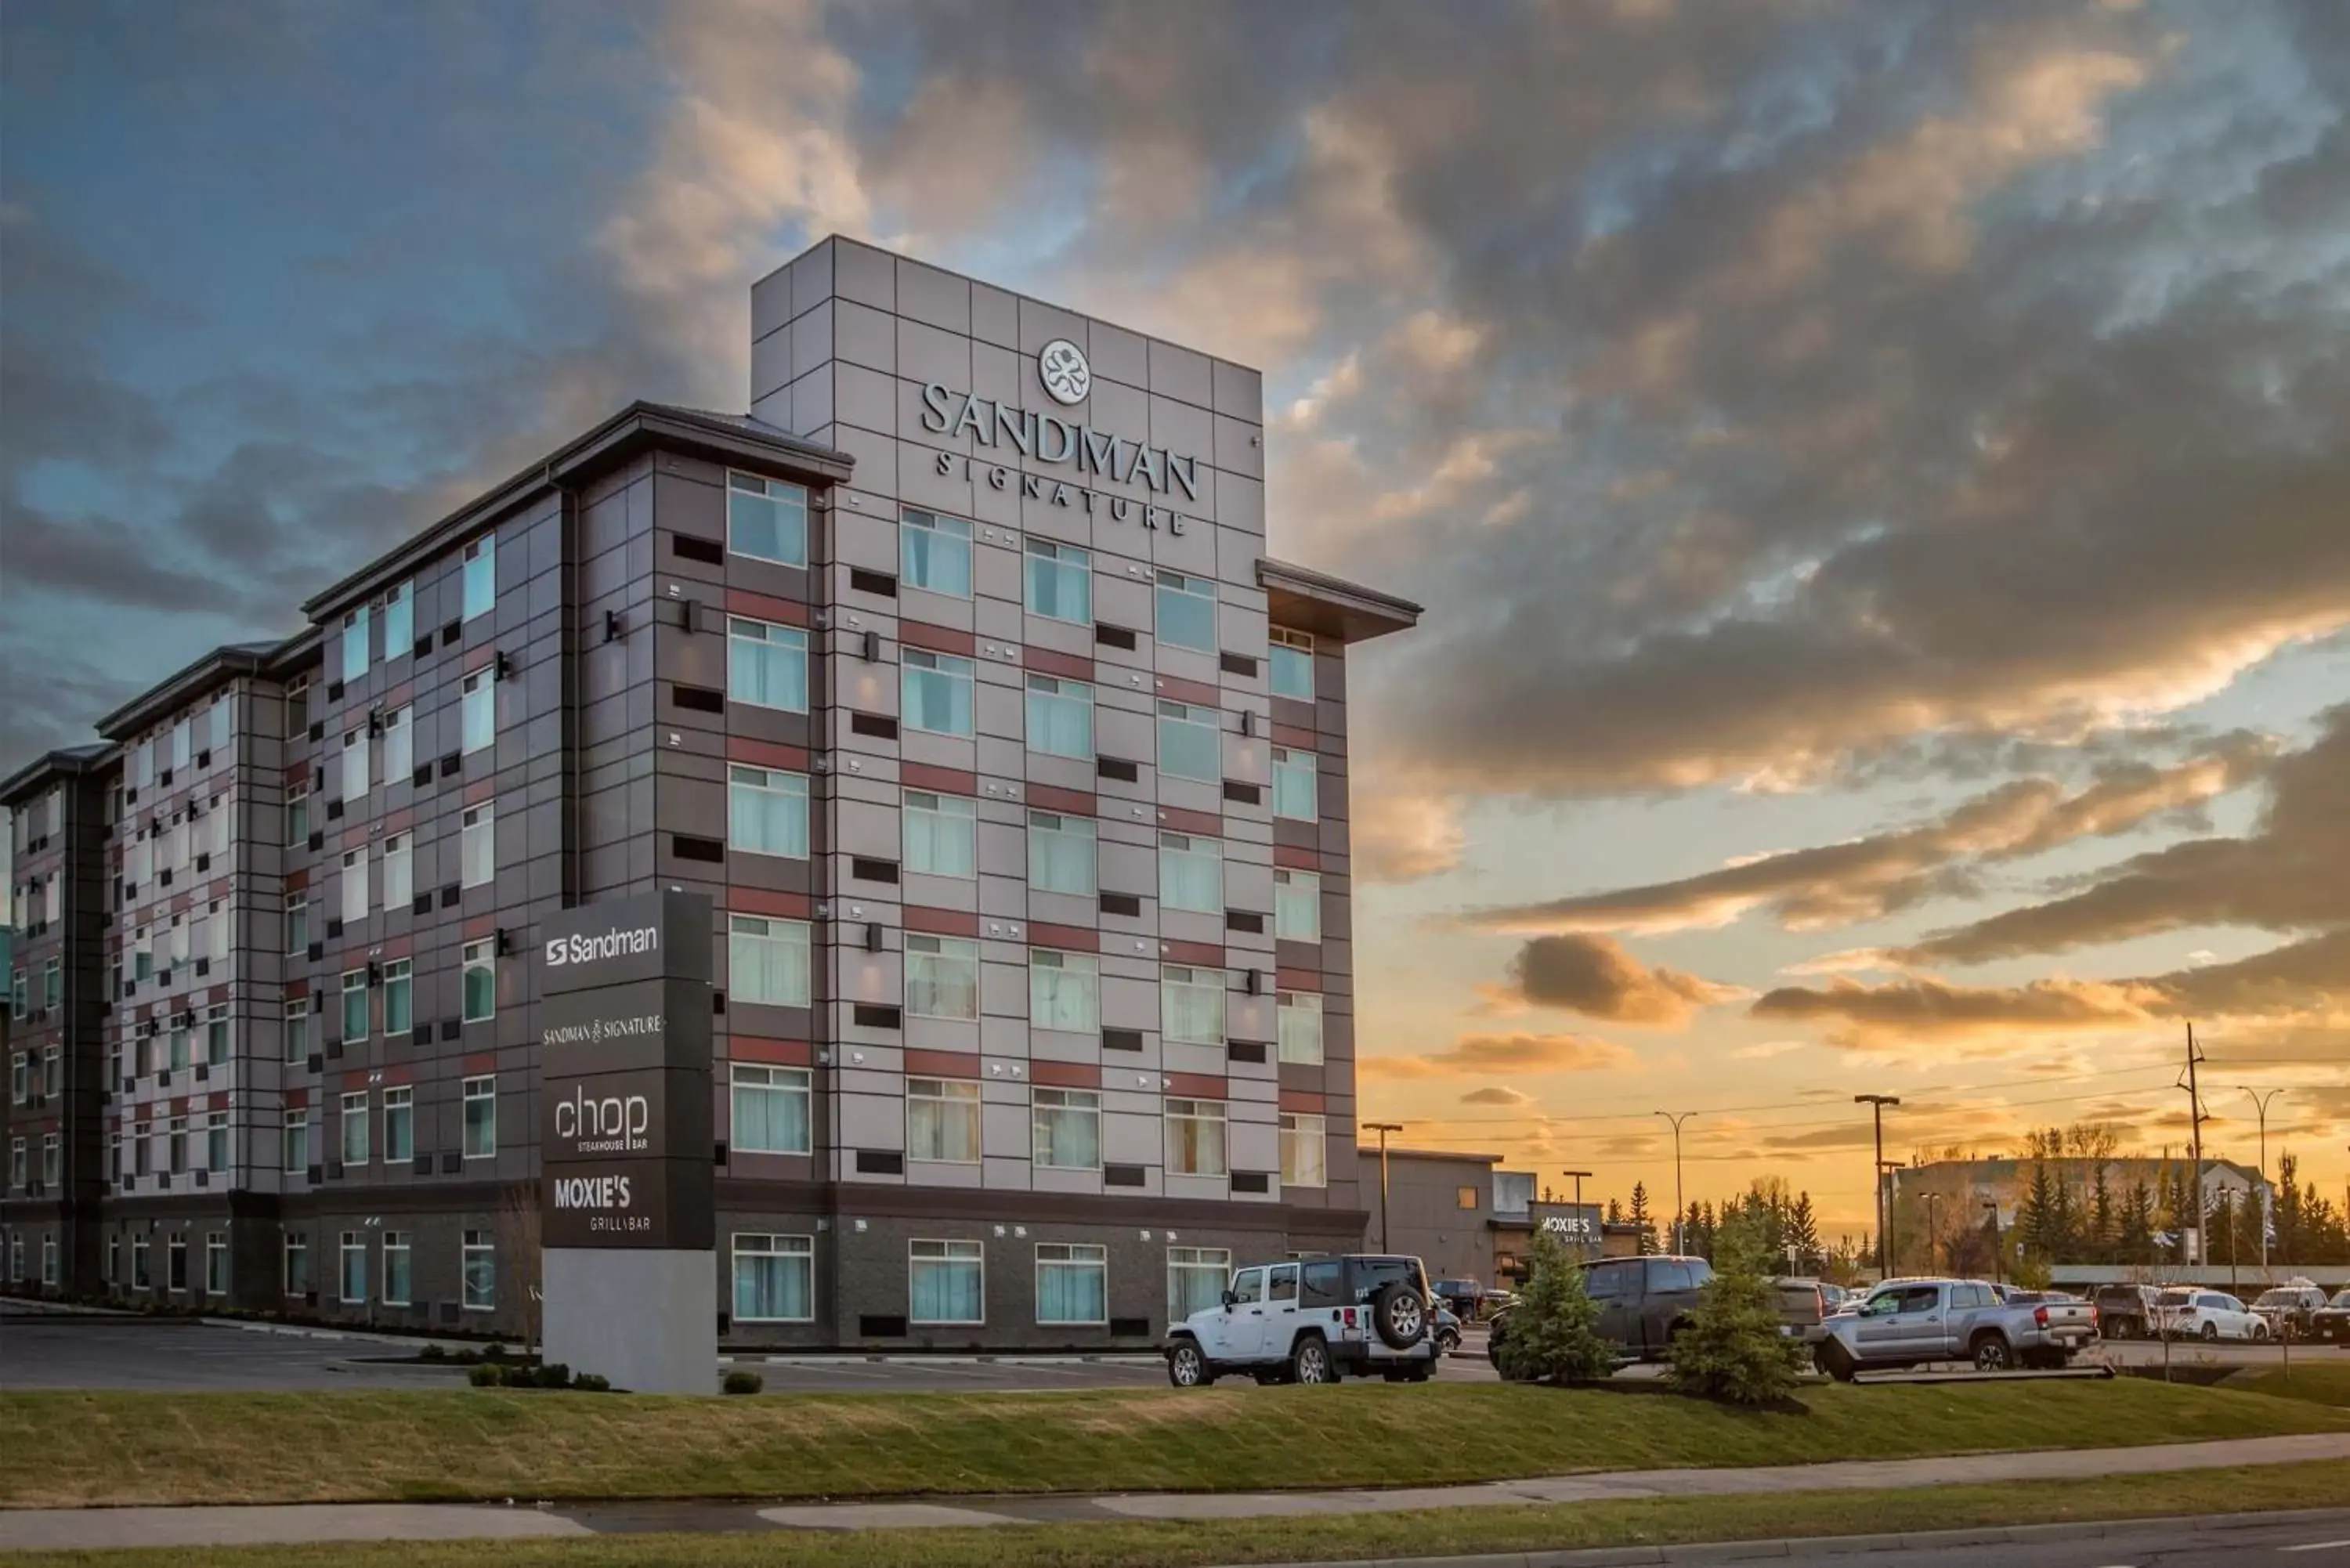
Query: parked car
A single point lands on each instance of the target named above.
(1465, 1297)
(2291, 1308)
(1314, 1321)
(2186, 1313)
(1644, 1302)
(1913, 1322)
(2126, 1312)
(1447, 1331)
(2332, 1321)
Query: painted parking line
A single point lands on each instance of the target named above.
(2316, 1546)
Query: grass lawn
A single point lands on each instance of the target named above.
(2323, 1377)
(77, 1450)
(1564, 1526)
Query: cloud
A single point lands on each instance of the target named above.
(1928, 1011)
(1497, 1094)
(1763, 1051)
(1480, 1054)
(1401, 836)
(1595, 977)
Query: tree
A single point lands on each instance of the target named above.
(1614, 1212)
(519, 1248)
(1731, 1348)
(2292, 1244)
(2035, 1219)
(2098, 1244)
(1553, 1330)
(1642, 1218)
(1803, 1230)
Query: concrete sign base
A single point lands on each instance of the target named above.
(646, 1319)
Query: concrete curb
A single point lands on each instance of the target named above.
(1842, 1545)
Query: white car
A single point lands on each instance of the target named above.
(2209, 1315)
(1312, 1320)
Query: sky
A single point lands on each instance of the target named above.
(1877, 473)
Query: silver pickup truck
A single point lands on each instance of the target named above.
(1908, 1323)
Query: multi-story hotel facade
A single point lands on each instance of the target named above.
(956, 677)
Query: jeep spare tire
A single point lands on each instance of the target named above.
(1399, 1315)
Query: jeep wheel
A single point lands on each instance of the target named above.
(1992, 1354)
(1310, 1362)
(1448, 1342)
(1399, 1315)
(1186, 1368)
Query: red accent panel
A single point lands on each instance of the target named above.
(1183, 691)
(1200, 822)
(1296, 858)
(294, 1099)
(1305, 1100)
(481, 926)
(1288, 979)
(940, 781)
(180, 1105)
(942, 1063)
(1075, 938)
(402, 694)
(355, 1078)
(480, 657)
(766, 754)
(297, 988)
(398, 1077)
(399, 947)
(399, 820)
(769, 901)
(767, 606)
(481, 1062)
(1052, 798)
(1292, 735)
(1204, 953)
(779, 1053)
(1197, 1086)
(937, 638)
(941, 922)
(1051, 661)
(480, 791)
(1065, 1074)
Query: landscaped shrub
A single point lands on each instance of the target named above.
(741, 1382)
(483, 1377)
(554, 1374)
(1552, 1336)
(1733, 1349)
(434, 1352)
(592, 1383)
(493, 1351)
(517, 1377)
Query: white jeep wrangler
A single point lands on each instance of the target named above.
(1315, 1321)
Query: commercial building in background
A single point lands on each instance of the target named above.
(957, 677)
(1438, 1208)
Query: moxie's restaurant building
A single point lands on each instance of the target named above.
(956, 676)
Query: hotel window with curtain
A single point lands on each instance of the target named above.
(1196, 1278)
(935, 693)
(768, 1109)
(941, 834)
(1195, 1137)
(1060, 581)
(1294, 794)
(1187, 611)
(1298, 1014)
(481, 577)
(936, 553)
(1061, 853)
(943, 1120)
(1191, 874)
(1190, 744)
(1293, 664)
(1297, 905)
(767, 812)
(942, 978)
(1068, 1127)
(946, 1281)
(1060, 717)
(774, 1278)
(768, 960)
(1064, 991)
(1304, 1152)
(1072, 1283)
(766, 519)
(766, 665)
(1191, 1004)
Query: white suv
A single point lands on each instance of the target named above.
(1312, 1321)
(2189, 1314)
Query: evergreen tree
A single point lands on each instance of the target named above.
(1641, 1217)
(2135, 1237)
(2099, 1243)
(2292, 1244)
(2064, 1220)
(2035, 1216)
(1614, 1212)
(1803, 1230)
(1553, 1330)
(1733, 1349)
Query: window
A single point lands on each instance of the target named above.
(1190, 741)
(298, 1261)
(20, 994)
(399, 620)
(1187, 611)
(941, 977)
(17, 1258)
(936, 694)
(355, 766)
(1299, 1016)
(1065, 992)
(399, 876)
(1303, 1152)
(179, 1043)
(768, 960)
(1072, 1283)
(1191, 874)
(396, 1277)
(355, 656)
(20, 1077)
(398, 1128)
(477, 849)
(1196, 1278)
(355, 1128)
(216, 1140)
(353, 1275)
(355, 1005)
(298, 922)
(175, 1261)
(297, 1141)
(297, 817)
(1060, 581)
(479, 961)
(775, 1279)
(767, 812)
(766, 665)
(941, 834)
(50, 1258)
(398, 746)
(946, 1281)
(1061, 853)
(53, 1152)
(1060, 717)
(1191, 1004)
(53, 1067)
(481, 581)
(1293, 664)
(139, 1277)
(768, 1111)
(1195, 1137)
(481, 1118)
(215, 1263)
(943, 1120)
(19, 1166)
(53, 989)
(217, 1038)
(1294, 794)
(937, 553)
(355, 887)
(216, 947)
(477, 709)
(1068, 1128)
(139, 861)
(478, 1261)
(1297, 905)
(766, 519)
(301, 1030)
(398, 1010)
(113, 1258)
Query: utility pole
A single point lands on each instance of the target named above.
(1876, 1103)
(2260, 1193)
(2195, 1122)
(1590, 1240)
(1383, 1128)
(1679, 1206)
(1885, 1169)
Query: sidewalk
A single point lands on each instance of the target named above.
(98, 1529)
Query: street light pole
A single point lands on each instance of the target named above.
(1876, 1103)
(1383, 1128)
(2260, 1104)
(1679, 1206)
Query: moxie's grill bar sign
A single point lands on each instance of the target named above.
(1049, 438)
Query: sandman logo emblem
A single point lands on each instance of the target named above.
(1062, 367)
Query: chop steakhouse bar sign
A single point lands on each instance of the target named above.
(625, 1135)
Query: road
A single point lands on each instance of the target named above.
(2236, 1542)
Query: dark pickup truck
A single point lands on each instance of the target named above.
(1644, 1302)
